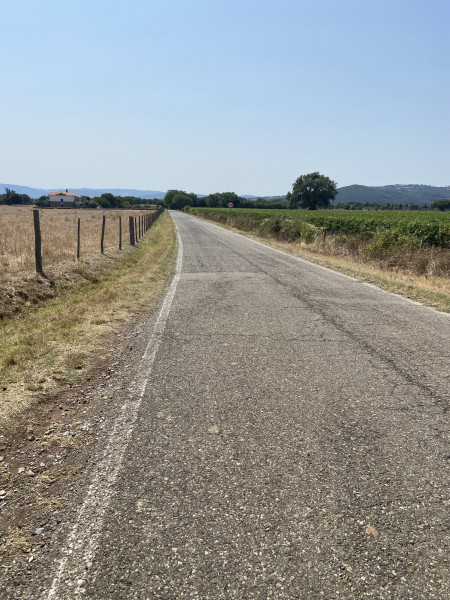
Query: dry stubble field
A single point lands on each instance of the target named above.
(59, 235)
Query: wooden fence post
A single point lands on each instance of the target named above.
(37, 241)
(120, 233)
(131, 226)
(78, 237)
(103, 234)
(136, 228)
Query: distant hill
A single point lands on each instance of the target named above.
(146, 194)
(23, 189)
(394, 194)
(37, 192)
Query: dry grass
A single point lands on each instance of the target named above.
(58, 341)
(429, 289)
(427, 261)
(405, 277)
(16, 540)
(59, 235)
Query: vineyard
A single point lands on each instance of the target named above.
(400, 227)
(407, 241)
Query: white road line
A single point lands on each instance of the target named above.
(83, 540)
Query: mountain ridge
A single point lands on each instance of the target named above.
(91, 192)
(397, 193)
(394, 194)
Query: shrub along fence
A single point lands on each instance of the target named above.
(137, 227)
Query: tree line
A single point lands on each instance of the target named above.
(310, 191)
(179, 199)
(11, 197)
(107, 200)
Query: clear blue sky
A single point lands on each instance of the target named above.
(208, 95)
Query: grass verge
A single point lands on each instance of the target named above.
(57, 342)
(429, 290)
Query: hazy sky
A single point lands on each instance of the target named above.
(209, 95)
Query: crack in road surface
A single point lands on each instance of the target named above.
(287, 440)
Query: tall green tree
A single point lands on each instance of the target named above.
(290, 200)
(12, 197)
(221, 199)
(42, 201)
(178, 199)
(108, 200)
(312, 191)
(442, 204)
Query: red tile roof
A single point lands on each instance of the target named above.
(63, 193)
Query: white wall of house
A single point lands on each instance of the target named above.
(64, 200)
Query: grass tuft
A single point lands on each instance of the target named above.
(59, 339)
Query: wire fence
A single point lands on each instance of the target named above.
(31, 239)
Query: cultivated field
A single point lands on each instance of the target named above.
(59, 235)
(408, 241)
(427, 228)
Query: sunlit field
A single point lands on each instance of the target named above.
(409, 241)
(59, 235)
(395, 227)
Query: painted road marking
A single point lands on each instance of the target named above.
(83, 539)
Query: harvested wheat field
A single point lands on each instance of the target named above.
(59, 235)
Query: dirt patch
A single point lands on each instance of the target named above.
(42, 460)
(15, 294)
(27, 292)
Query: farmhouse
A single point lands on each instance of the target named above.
(64, 199)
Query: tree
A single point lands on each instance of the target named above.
(11, 197)
(42, 202)
(221, 199)
(178, 199)
(313, 191)
(290, 200)
(442, 204)
(103, 202)
(108, 200)
(88, 202)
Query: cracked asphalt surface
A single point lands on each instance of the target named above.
(291, 442)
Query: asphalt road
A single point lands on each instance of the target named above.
(288, 440)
